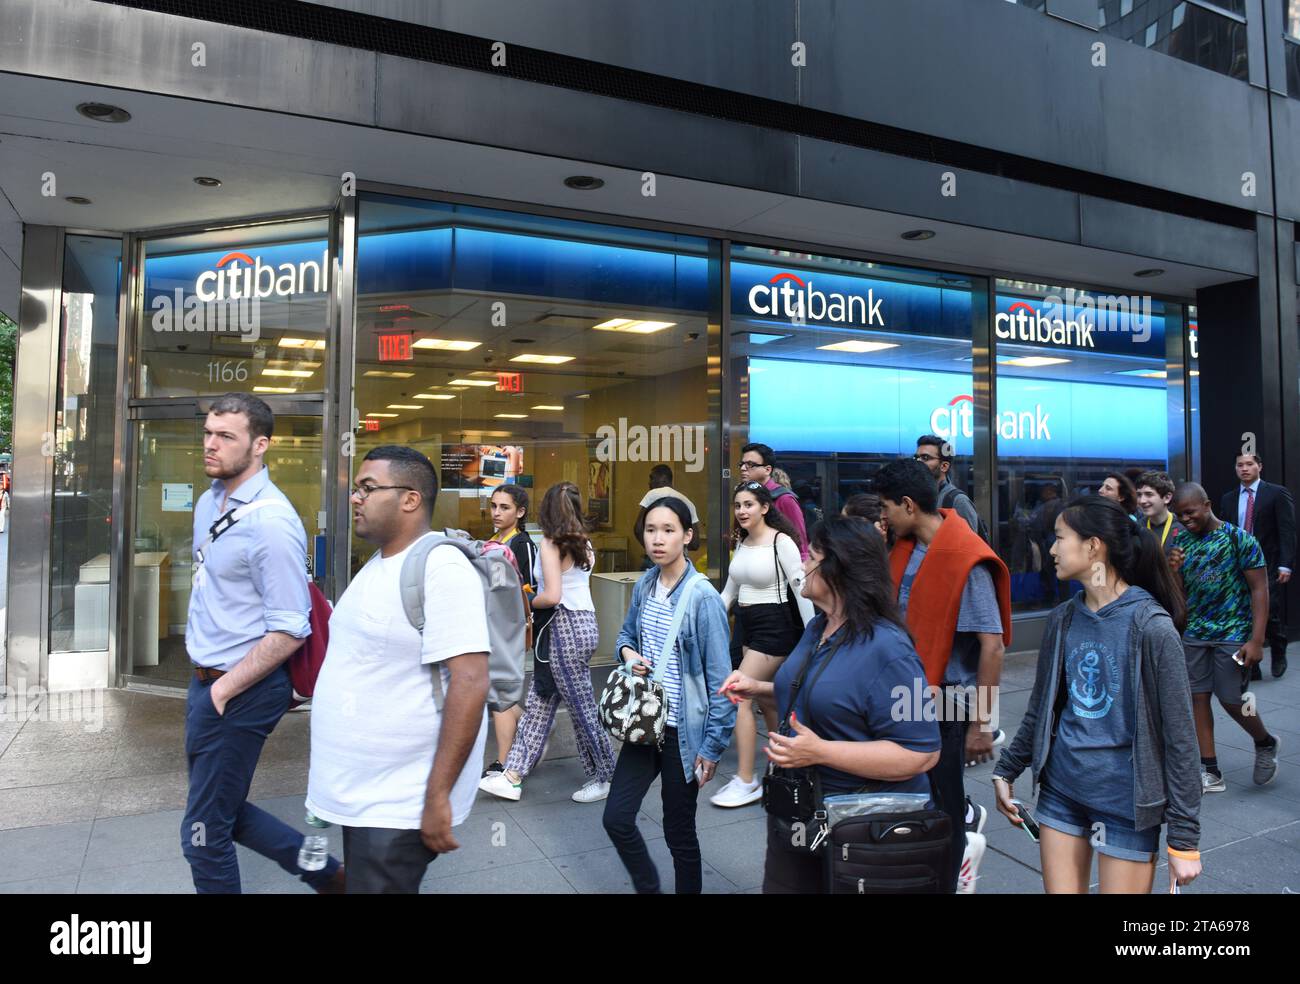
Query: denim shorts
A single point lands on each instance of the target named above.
(1111, 835)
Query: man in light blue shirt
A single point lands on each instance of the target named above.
(249, 611)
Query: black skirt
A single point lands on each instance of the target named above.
(768, 629)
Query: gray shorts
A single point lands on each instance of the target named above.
(1211, 669)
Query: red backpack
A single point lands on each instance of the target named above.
(305, 663)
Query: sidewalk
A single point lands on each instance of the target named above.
(99, 811)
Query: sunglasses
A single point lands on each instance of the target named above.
(749, 487)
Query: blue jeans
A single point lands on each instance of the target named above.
(222, 750)
(635, 770)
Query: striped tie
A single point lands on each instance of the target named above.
(1250, 510)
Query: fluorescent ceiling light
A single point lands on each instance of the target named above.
(545, 360)
(291, 364)
(583, 396)
(762, 337)
(308, 343)
(1194, 372)
(388, 374)
(1144, 373)
(543, 406)
(511, 416)
(483, 372)
(405, 406)
(434, 396)
(857, 345)
(445, 344)
(1032, 361)
(473, 382)
(274, 389)
(633, 326)
(381, 415)
(296, 373)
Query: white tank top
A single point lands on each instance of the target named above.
(575, 587)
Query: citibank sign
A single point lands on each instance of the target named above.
(238, 275)
(780, 298)
(957, 420)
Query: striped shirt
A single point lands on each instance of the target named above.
(656, 620)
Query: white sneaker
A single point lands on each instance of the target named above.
(970, 863)
(499, 785)
(591, 792)
(1210, 783)
(738, 793)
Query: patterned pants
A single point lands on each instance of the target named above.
(574, 637)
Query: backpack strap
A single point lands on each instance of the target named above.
(948, 496)
(414, 570)
(233, 516)
(679, 613)
(779, 491)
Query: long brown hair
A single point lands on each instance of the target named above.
(773, 517)
(561, 520)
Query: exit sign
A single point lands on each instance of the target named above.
(510, 382)
(372, 425)
(395, 348)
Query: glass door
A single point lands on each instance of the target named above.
(167, 441)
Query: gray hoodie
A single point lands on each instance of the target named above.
(1166, 758)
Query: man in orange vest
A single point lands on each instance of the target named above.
(954, 593)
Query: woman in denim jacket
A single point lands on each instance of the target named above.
(700, 720)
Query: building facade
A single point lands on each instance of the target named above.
(574, 241)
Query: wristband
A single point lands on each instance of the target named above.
(1183, 855)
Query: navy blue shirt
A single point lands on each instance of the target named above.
(873, 690)
(1091, 760)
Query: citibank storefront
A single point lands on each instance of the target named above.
(530, 348)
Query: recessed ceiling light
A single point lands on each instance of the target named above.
(445, 344)
(388, 374)
(434, 396)
(545, 360)
(543, 406)
(583, 396)
(583, 182)
(761, 337)
(207, 182)
(76, 200)
(1145, 373)
(405, 406)
(296, 373)
(473, 382)
(381, 415)
(274, 389)
(633, 326)
(483, 372)
(854, 345)
(103, 112)
(511, 416)
(1149, 272)
(1031, 361)
(916, 235)
(1194, 372)
(311, 343)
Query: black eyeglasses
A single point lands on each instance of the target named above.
(364, 492)
(747, 465)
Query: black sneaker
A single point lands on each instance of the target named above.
(495, 769)
(975, 825)
(1279, 665)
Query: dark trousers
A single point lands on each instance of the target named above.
(1275, 631)
(222, 750)
(948, 778)
(383, 861)
(787, 873)
(635, 770)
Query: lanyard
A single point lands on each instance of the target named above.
(1169, 519)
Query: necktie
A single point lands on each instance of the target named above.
(1250, 510)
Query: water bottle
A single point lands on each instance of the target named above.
(311, 820)
(314, 853)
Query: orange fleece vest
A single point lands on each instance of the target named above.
(935, 598)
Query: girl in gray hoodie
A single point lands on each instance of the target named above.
(1108, 732)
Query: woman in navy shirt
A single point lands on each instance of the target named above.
(861, 717)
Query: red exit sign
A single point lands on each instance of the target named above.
(510, 382)
(372, 425)
(395, 348)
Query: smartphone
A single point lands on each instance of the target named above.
(699, 775)
(1238, 659)
(1027, 821)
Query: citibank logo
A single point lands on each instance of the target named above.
(779, 298)
(238, 275)
(957, 419)
(1022, 323)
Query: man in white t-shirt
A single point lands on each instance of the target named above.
(386, 766)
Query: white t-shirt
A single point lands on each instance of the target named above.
(374, 726)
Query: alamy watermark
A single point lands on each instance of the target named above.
(234, 315)
(21, 703)
(668, 442)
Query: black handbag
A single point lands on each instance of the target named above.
(543, 679)
(787, 594)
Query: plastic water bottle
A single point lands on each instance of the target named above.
(314, 853)
(311, 820)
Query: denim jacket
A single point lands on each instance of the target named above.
(705, 723)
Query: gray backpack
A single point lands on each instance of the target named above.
(509, 617)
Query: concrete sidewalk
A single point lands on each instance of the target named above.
(95, 807)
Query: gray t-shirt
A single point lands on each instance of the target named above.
(978, 613)
(961, 502)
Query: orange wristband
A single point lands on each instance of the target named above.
(1183, 855)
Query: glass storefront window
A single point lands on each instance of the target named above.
(530, 350)
(84, 421)
(840, 365)
(235, 310)
(1194, 394)
(1081, 391)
